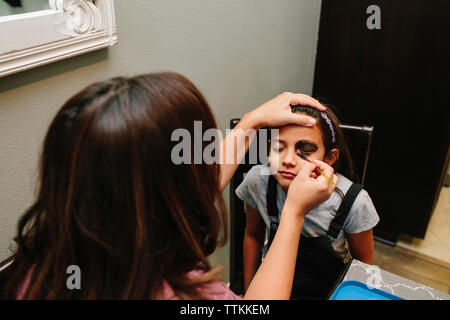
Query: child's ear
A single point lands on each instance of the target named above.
(331, 157)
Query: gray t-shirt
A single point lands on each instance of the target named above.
(362, 216)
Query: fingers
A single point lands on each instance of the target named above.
(306, 170)
(326, 170)
(302, 120)
(303, 99)
(277, 112)
(314, 175)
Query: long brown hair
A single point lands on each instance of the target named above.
(112, 202)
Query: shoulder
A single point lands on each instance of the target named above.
(258, 174)
(218, 290)
(214, 290)
(363, 214)
(254, 184)
(344, 185)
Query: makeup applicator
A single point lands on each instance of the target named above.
(317, 169)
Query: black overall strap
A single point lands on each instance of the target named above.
(346, 204)
(272, 209)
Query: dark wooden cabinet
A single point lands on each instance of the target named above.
(396, 79)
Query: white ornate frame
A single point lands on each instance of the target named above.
(69, 28)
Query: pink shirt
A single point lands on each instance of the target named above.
(24, 286)
(213, 291)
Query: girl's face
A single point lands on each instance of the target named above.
(293, 139)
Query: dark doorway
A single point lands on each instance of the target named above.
(396, 79)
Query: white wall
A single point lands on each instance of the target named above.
(239, 53)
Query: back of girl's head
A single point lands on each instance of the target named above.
(332, 137)
(111, 200)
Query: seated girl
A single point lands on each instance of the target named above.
(330, 234)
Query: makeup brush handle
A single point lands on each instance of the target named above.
(320, 171)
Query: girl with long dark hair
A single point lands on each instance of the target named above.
(112, 202)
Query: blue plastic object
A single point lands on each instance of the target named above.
(355, 290)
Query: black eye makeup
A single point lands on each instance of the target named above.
(306, 147)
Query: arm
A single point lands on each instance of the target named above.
(274, 278)
(235, 145)
(361, 246)
(253, 242)
(275, 112)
